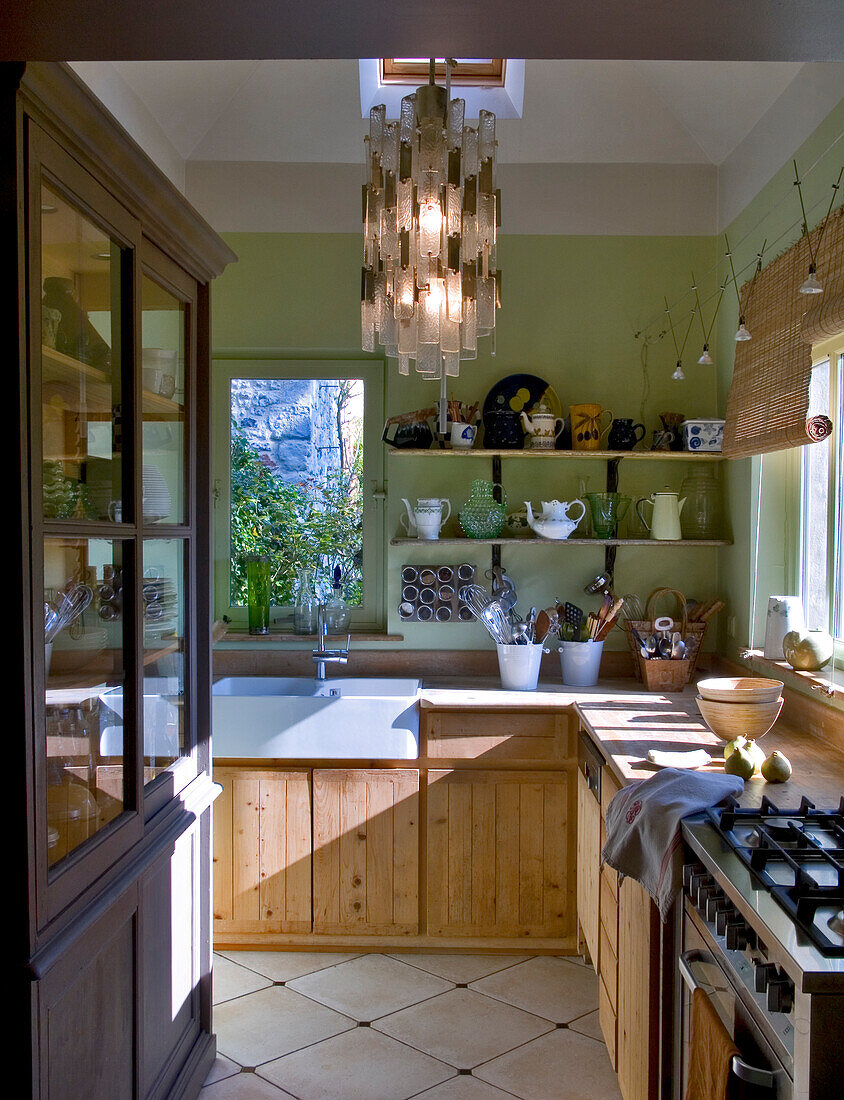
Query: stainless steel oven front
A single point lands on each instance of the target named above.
(759, 1070)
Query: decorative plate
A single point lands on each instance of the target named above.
(522, 393)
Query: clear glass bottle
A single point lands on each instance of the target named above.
(306, 605)
(701, 517)
(337, 612)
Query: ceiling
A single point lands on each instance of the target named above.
(750, 30)
(575, 111)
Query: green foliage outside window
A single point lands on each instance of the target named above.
(298, 525)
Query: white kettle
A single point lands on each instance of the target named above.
(665, 520)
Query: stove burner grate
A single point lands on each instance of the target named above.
(804, 845)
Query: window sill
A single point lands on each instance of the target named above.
(820, 684)
(243, 637)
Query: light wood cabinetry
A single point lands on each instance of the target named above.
(366, 851)
(588, 862)
(262, 851)
(477, 844)
(497, 854)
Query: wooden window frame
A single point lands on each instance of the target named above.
(490, 74)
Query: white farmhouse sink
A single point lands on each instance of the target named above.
(297, 718)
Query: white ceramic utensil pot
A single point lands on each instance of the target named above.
(785, 613)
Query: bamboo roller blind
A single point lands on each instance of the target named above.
(769, 394)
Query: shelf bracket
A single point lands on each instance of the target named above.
(497, 494)
(612, 487)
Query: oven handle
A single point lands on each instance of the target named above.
(753, 1075)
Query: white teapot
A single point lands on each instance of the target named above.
(665, 521)
(543, 427)
(554, 522)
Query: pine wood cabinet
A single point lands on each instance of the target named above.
(497, 854)
(366, 851)
(588, 861)
(262, 851)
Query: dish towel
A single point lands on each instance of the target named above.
(711, 1052)
(643, 826)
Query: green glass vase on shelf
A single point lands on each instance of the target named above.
(482, 516)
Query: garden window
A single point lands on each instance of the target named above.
(297, 478)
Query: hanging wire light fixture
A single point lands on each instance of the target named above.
(430, 283)
(742, 332)
(678, 375)
(706, 359)
(812, 284)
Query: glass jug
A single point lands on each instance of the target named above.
(306, 605)
(702, 516)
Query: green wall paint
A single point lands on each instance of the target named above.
(772, 214)
(570, 308)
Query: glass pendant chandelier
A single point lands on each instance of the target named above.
(430, 284)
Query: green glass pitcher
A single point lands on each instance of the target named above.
(482, 516)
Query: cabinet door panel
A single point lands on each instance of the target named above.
(499, 854)
(588, 862)
(638, 992)
(262, 851)
(366, 859)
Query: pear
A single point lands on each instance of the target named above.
(731, 746)
(757, 754)
(776, 768)
(741, 762)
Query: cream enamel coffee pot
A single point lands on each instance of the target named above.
(665, 521)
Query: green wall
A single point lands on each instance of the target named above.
(772, 214)
(570, 308)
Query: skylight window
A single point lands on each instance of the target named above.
(466, 71)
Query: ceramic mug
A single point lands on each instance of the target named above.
(662, 440)
(462, 435)
(586, 429)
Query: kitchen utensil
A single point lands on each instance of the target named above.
(610, 619)
(785, 613)
(678, 647)
(71, 605)
(573, 616)
(542, 626)
(586, 429)
(740, 689)
(632, 608)
(731, 720)
(691, 633)
(602, 583)
(665, 519)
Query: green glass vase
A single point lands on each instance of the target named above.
(258, 593)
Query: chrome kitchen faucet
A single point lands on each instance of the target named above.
(323, 656)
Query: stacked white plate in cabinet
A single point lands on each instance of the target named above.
(156, 495)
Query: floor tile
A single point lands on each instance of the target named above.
(460, 968)
(463, 1028)
(369, 987)
(464, 1088)
(272, 1022)
(360, 1065)
(281, 966)
(246, 1086)
(561, 1065)
(231, 980)
(545, 985)
(223, 1067)
(588, 1025)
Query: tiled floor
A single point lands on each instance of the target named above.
(320, 1026)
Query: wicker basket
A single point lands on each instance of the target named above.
(660, 675)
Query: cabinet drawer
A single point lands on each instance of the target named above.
(541, 736)
(609, 881)
(609, 969)
(609, 914)
(609, 1024)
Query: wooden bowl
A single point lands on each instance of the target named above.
(741, 689)
(731, 720)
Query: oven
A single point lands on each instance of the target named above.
(758, 1069)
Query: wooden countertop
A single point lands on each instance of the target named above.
(445, 694)
(624, 728)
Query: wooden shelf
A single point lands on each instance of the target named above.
(65, 371)
(559, 542)
(482, 452)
